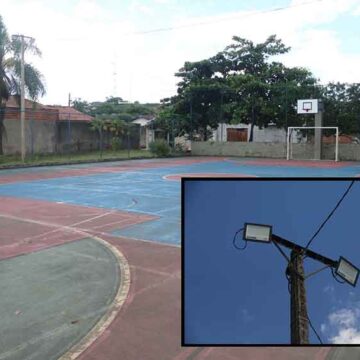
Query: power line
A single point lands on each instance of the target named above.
(330, 214)
(335, 277)
(209, 22)
(234, 241)
(307, 314)
(260, 12)
(313, 329)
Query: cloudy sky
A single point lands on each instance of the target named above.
(234, 296)
(96, 49)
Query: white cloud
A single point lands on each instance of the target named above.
(343, 326)
(329, 289)
(347, 336)
(137, 6)
(357, 11)
(90, 10)
(79, 45)
(344, 318)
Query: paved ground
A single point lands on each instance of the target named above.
(46, 306)
(119, 203)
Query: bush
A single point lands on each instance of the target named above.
(115, 143)
(159, 148)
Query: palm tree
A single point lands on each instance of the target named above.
(98, 125)
(10, 69)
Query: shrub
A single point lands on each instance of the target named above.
(159, 148)
(115, 143)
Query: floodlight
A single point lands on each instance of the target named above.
(257, 232)
(347, 271)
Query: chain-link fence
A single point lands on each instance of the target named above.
(51, 133)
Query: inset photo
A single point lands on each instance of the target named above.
(270, 261)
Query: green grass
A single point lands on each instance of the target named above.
(13, 160)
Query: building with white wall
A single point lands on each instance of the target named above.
(241, 132)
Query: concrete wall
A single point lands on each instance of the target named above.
(350, 152)
(76, 137)
(39, 136)
(268, 134)
(80, 137)
(51, 136)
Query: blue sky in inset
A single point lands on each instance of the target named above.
(234, 296)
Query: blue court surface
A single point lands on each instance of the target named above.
(145, 190)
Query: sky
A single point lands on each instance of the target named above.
(95, 49)
(241, 297)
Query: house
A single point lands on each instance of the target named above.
(147, 133)
(241, 132)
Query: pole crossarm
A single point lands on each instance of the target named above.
(304, 251)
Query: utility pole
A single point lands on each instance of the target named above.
(22, 92)
(298, 311)
(299, 320)
(191, 117)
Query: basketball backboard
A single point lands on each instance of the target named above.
(308, 106)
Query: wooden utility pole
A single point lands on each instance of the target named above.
(299, 323)
(299, 320)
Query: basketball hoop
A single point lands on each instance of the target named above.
(308, 106)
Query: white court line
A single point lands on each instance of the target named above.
(85, 232)
(29, 238)
(118, 301)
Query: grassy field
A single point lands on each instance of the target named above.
(15, 160)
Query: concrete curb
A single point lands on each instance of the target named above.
(24, 166)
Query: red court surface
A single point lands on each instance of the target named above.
(122, 166)
(148, 325)
(301, 163)
(178, 177)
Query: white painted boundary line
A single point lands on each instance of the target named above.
(114, 309)
(123, 290)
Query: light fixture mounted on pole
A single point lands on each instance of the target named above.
(257, 232)
(295, 272)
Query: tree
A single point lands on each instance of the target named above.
(98, 126)
(82, 106)
(10, 69)
(240, 84)
(342, 107)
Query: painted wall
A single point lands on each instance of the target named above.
(51, 136)
(349, 152)
(39, 136)
(269, 134)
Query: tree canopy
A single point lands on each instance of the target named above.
(245, 84)
(115, 108)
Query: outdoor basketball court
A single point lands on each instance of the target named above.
(90, 258)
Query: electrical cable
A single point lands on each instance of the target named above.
(330, 214)
(170, 28)
(242, 16)
(336, 278)
(234, 241)
(307, 315)
(313, 329)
